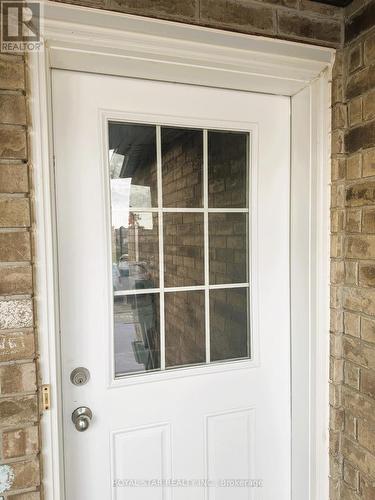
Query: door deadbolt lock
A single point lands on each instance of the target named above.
(80, 376)
(81, 418)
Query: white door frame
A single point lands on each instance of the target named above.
(81, 39)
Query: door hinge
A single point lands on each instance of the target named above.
(46, 397)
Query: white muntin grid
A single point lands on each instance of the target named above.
(205, 210)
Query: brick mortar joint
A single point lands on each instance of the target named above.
(348, 45)
(354, 12)
(12, 264)
(16, 460)
(370, 479)
(17, 395)
(11, 92)
(363, 95)
(22, 491)
(359, 125)
(23, 361)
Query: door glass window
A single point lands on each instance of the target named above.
(180, 246)
(137, 333)
(227, 237)
(182, 172)
(183, 249)
(184, 328)
(227, 170)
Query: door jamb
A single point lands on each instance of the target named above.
(92, 40)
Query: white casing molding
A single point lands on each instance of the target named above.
(97, 41)
(124, 45)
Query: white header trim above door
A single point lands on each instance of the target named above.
(97, 41)
(124, 45)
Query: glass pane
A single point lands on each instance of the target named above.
(228, 243)
(132, 164)
(227, 169)
(135, 250)
(183, 249)
(229, 324)
(184, 328)
(137, 335)
(182, 167)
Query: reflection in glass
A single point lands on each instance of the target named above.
(228, 237)
(136, 333)
(135, 220)
(182, 167)
(135, 250)
(229, 324)
(227, 169)
(183, 249)
(184, 328)
(132, 164)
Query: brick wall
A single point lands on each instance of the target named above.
(301, 20)
(19, 441)
(353, 261)
(352, 221)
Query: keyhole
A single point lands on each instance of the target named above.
(80, 376)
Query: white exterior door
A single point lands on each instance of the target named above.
(172, 206)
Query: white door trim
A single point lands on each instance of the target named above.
(97, 41)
